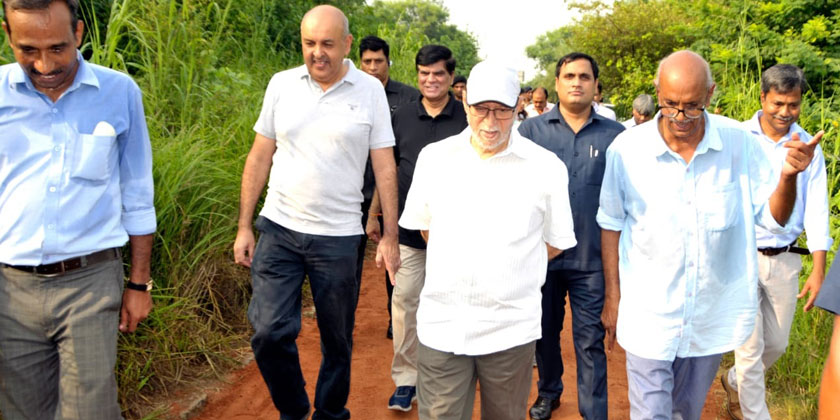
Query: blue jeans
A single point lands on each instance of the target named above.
(282, 259)
(586, 297)
(666, 390)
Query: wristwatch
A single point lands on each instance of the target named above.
(146, 287)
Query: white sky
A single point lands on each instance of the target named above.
(504, 28)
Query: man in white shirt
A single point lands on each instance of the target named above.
(540, 104)
(488, 202)
(779, 263)
(599, 106)
(318, 123)
(643, 110)
(678, 208)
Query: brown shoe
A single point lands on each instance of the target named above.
(733, 404)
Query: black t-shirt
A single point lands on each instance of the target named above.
(413, 130)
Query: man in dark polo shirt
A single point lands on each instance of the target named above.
(579, 137)
(436, 115)
(374, 57)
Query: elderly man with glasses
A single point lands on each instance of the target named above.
(493, 208)
(679, 205)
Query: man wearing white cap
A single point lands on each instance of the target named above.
(488, 202)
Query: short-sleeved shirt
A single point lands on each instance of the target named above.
(75, 174)
(829, 296)
(323, 139)
(687, 261)
(488, 222)
(585, 154)
(414, 128)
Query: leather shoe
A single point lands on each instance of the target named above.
(733, 403)
(542, 408)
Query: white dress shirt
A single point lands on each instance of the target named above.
(604, 111)
(532, 111)
(488, 222)
(810, 212)
(687, 259)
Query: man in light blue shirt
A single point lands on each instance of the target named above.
(779, 260)
(75, 186)
(678, 208)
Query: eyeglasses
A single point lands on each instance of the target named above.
(672, 112)
(499, 113)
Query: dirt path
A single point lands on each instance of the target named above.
(246, 396)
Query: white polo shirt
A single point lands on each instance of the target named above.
(323, 140)
(488, 222)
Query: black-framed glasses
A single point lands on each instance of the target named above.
(499, 113)
(672, 112)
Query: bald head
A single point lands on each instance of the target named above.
(326, 15)
(686, 66)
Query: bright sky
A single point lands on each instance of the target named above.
(504, 28)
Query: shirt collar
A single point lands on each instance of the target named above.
(447, 110)
(554, 115)
(84, 75)
(754, 126)
(711, 137)
(515, 145)
(352, 76)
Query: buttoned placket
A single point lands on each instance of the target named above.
(691, 235)
(59, 136)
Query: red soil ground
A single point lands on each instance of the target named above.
(245, 395)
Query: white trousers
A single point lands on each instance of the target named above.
(408, 282)
(778, 285)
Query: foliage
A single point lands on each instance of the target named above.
(420, 22)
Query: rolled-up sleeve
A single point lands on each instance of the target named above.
(816, 205)
(611, 213)
(136, 181)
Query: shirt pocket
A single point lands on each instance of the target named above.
(94, 157)
(595, 167)
(719, 207)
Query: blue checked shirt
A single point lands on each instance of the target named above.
(65, 192)
(687, 253)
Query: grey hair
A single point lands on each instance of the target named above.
(783, 78)
(643, 104)
(344, 21)
(710, 81)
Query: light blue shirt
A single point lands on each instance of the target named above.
(810, 211)
(687, 253)
(63, 191)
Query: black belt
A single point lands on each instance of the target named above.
(790, 248)
(71, 264)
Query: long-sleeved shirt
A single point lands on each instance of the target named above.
(687, 253)
(67, 188)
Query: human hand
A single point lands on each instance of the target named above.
(136, 306)
(799, 154)
(243, 247)
(388, 252)
(609, 318)
(812, 288)
(373, 230)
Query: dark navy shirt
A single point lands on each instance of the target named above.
(414, 128)
(829, 297)
(585, 155)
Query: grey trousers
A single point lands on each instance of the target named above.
(446, 383)
(58, 343)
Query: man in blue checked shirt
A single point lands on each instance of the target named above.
(75, 186)
(679, 204)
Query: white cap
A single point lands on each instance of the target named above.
(492, 81)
